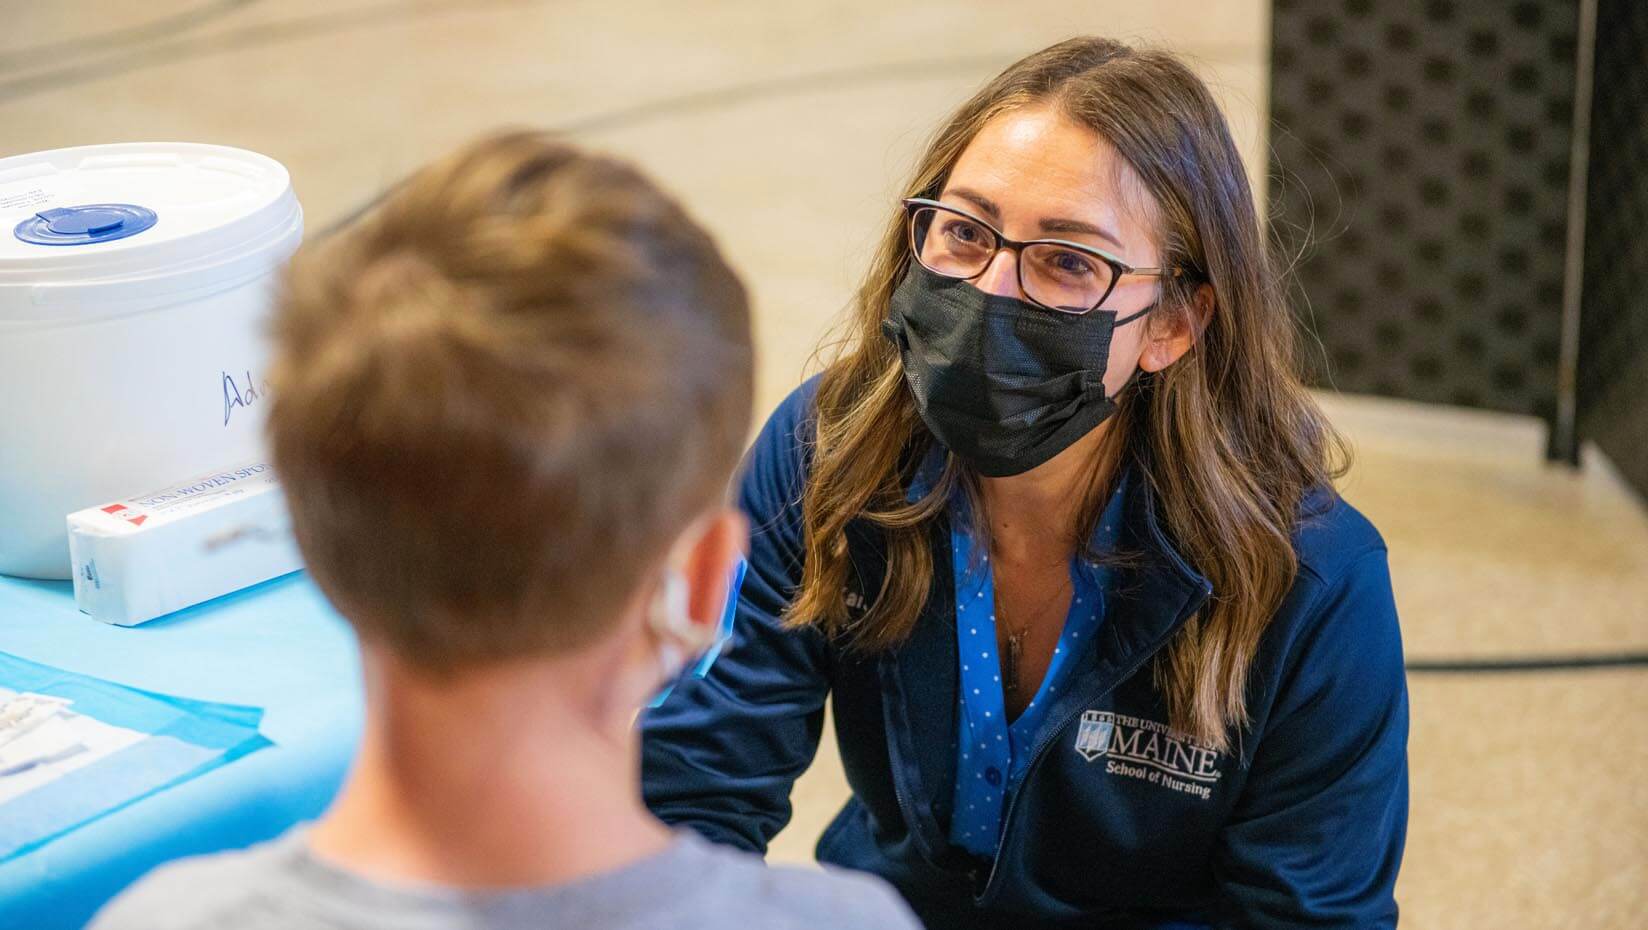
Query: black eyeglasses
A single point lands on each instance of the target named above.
(1066, 277)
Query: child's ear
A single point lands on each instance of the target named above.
(710, 563)
(1167, 340)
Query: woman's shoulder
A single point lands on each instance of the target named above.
(1341, 619)
(1333, 538)
(792, 420)
(781, 450)
(775, 468)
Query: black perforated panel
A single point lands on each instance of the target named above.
(1426, 145)
(1613, 361)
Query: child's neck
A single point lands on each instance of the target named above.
(499, 780)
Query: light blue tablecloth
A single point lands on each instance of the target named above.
(278, 646)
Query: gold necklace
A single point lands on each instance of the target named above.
(1014, 653)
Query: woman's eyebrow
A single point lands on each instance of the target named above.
(985, 204)
(1077, 226)
(1055, 225)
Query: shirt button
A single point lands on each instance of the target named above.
(993, 776)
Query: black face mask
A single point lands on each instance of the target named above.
(1001, 382)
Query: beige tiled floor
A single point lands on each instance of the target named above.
(1529, 805)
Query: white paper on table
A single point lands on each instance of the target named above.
(54, 738)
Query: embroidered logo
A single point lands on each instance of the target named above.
(1147, 750)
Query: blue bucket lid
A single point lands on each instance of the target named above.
(87, 223)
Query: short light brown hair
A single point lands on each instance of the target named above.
(501, 395)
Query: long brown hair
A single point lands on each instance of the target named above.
(1226, 438)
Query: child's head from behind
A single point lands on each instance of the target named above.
(502, 398)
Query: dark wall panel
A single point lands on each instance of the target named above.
(1613, 359)
(1426, 147)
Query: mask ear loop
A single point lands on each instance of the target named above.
(1123, 322)
(1177, 272)
(1131, 317)
(668, 617)
(672, 657)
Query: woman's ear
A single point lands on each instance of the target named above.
(1167, 340)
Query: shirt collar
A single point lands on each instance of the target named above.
(927, 474)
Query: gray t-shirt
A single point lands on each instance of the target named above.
(689, 885)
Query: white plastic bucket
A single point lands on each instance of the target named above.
(135, 284)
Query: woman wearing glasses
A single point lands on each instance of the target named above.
(1055, 535)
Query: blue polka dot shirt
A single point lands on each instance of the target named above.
(993, 753)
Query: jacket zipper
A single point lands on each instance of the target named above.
(896, 759)
(1050, 735)
(908, 809)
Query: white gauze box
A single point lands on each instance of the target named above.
(147, 556)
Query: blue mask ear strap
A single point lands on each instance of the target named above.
(729, 616)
